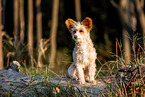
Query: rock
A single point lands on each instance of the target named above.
(131, 80)
(14, 66)
(14, 83)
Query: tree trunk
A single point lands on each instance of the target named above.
(16, 29)
(125, 14)
(54, 32)
(141, 18)
(126, 43)
(1, 43)
(39, 31)
(22, 22)
(30, 30)
(78, 10)
(22, 28)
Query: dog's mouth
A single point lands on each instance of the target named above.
(77, 39)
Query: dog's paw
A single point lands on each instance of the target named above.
(92, 81)
(75, 78)
(82, 82)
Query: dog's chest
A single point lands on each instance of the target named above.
(81, 54)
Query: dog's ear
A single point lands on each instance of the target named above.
(70, 23)
(87, 22)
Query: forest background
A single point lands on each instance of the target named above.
(33, 32)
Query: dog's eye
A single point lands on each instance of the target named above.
(81, 31)
(74, 32)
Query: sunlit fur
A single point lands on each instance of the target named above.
(84, 53)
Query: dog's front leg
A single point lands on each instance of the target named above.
(80, 73)
(92, 71)
(72, 71)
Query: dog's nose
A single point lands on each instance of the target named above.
(75, 36)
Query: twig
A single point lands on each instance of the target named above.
(24, 63)
(117, 53)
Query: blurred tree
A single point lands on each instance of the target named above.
(16, 29)
(134, 15)
(22, 28)
(30, 30)
(78, 10)
(125, 13)
(53, 32)
(22, 22)
(100, 11)
(141, 19)
(1, 43)
(39, 31)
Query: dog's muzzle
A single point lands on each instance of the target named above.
(75, 36)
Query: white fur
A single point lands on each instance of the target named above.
(84, 55)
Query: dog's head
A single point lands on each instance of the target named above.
(79, 30)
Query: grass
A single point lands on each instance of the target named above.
(49, 89)
(63, 59)
(45, 87)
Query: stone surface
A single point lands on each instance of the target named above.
(14, 83)
(131, 80)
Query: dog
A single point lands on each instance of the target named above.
(84, 53)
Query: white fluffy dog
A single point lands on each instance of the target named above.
(84, 53)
